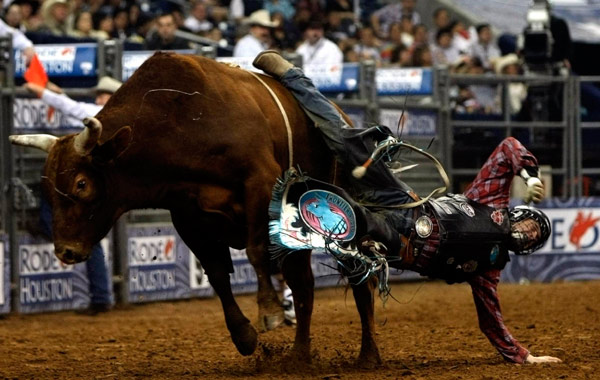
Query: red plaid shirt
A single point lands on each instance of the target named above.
(491, 187)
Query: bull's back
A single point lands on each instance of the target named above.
(195, 110)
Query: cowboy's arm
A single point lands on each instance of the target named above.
(491, 322)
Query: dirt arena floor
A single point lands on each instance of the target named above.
(430, 333)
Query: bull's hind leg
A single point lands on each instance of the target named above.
(298, 274)
(257, 197)
(216, 261)
(364, 297)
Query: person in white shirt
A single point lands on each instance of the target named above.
(316, 48)
(198, 21)
(75, 111)
(19, 41)
(258, 37)
(484, 48)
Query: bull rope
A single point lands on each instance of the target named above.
(288, 128)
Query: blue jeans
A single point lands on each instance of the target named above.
(100, 292)
(320, 110)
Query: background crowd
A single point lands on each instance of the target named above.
(389, 32)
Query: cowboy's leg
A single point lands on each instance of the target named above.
(321, 111)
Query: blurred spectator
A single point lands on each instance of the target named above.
(339, 27)
(407, 26)
(441, 20)
(316, 48)
(420, 35)
(393, 40)
(14, 17)
(258, 37)
(517, 92)
(286, 34)
(401, 56)
(143, 26)
(30, 17)
(134, 12)
(484, 48)
(55, 14)
(462, 39)
(103, 21)
(121, 24)
(84, 28)
(350, 55)
(164, 37)
(444, 52)
(197, 21)
(422, 56)
(382, 19)
(368, 45)
(284, 7)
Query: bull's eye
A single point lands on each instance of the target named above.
(81, 185)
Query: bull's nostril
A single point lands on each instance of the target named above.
(68, 255)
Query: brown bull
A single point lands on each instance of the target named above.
(207, 142)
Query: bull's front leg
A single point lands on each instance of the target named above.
(216, 261)
(364, 296)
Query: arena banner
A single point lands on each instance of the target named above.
(334, 77)
(63, 60)
(418, 123)
(244, 278)
(573, 250)
(33, 114)
(131, 60)
(4, 275)
(404, 81)
(47, 284)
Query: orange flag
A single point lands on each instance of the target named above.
(35, 73)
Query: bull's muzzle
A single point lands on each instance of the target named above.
(71, 255)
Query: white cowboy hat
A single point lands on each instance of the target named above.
(501, 62)
(108, 84)
(261, 17)
(49, 4)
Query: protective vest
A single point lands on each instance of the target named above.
(472, 238)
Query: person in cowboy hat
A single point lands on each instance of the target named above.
(55, 14)
(258, 37)
(457, 237)
(75, 112)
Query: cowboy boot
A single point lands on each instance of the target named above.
(272, 63)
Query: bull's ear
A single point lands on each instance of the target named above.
(113, 147)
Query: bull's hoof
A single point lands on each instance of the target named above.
(300, 354)
(368, 360)
(245, 339)
(270, 322)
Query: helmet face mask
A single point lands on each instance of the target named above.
(530, 229)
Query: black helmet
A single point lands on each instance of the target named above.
(519, 242)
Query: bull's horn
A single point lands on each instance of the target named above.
(43, 142)
(87, 139)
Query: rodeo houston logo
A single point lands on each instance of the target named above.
(152, 263)
(44, 278)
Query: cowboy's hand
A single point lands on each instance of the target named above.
(34, 88)
(530, 359)
(535, 190)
